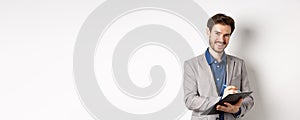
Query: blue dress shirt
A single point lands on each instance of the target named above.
(219, 72)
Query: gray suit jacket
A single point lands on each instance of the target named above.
(200, 91)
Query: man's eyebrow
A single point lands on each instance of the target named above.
(220, 32)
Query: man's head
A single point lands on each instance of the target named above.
(219, 29)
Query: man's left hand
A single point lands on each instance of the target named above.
(230, 108)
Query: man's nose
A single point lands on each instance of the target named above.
(222, 39)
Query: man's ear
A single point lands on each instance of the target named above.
(207, 31)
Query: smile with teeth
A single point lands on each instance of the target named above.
(219, 43)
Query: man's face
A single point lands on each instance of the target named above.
(219, 37)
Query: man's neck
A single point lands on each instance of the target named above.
(215, 54)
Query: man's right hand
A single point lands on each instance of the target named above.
(230, 90)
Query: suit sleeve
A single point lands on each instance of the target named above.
(192, 99)
(248, 102)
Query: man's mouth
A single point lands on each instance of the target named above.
(220, 43)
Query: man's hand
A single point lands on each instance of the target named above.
(230, 108)
(230, 90)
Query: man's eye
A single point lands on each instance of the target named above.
(227, 35)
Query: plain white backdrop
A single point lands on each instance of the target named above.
(37, 40)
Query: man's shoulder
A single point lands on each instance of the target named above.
(201, 58)
(234, 58)
(195, 59)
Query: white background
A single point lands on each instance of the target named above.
(37, 40)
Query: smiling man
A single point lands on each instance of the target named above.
(206, 75)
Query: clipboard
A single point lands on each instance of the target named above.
(231, 98)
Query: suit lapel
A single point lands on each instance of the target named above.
(208, 79)
(229, 69)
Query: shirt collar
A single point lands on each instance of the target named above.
(210, 59)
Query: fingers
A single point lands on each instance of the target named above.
(224, 108)
(231, 88)
(239, 103)
(229, 107)
(221, 108)
(227, 104)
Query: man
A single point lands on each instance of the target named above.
(206, 76)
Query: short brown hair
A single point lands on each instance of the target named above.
(220, 19)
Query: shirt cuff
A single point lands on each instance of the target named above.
(237, 113)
